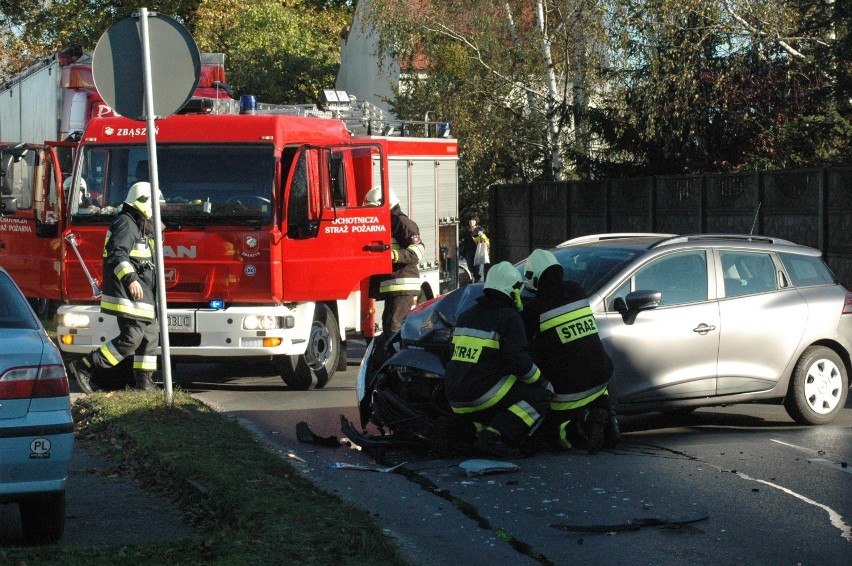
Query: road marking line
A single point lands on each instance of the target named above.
(829, 463)
(833, 516)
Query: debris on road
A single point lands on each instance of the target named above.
(346, 466)
(482, 467)
(635, 524)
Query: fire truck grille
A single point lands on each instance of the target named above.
(183, 339)
(189, 287)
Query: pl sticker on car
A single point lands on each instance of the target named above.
(250, 270)
(40, 449)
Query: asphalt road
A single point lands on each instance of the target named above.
(772, 492)
(765, 491)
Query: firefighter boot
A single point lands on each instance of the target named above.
(143, 380)
(612, 432)
(595, 425)
(83, 375)
(491, 443)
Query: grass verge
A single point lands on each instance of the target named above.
(249, 506)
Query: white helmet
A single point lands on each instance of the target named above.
(538, 261)
(374, 197)
(504, 277)
(66, 184)
(139, 197)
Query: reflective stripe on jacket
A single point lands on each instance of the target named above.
(489, 356)
(128, 255)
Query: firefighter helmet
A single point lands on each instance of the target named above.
(374, 197)
(538, 261)
(139, 197)
(504, 277)
(84, 189)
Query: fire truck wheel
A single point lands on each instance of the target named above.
(323, 349)
(295, 372)
(320, 360)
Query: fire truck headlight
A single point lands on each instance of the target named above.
(74, 320)
(261, 322)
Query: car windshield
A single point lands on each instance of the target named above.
(593, 266)
(201, 184)
(14, 311)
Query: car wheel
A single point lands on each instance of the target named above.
(43, 518)
(818, 387)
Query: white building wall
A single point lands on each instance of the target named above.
(362, 73)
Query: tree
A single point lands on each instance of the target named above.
(510, 78)
(35, 29)
(704, 87)
(282, 52)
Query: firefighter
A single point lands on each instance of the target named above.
(565, 343)
(400, 289)
(491, 378)
(129, 294)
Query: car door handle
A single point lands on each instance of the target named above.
(376, 247)
(703, 328)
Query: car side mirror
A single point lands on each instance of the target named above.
(8, 205)
(635, 302)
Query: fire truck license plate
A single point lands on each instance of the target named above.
(181, 323)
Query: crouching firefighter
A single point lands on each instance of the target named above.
(491, 378)
(128, 294)
(566, 345)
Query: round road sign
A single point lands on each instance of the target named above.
(119, 71)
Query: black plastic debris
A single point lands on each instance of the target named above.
(306, 436)
(634, 524)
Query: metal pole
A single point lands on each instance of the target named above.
(155, 205)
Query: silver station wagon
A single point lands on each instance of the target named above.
(715, 319)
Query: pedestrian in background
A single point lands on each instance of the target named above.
(476, 248)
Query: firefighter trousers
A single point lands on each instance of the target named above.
(517, 415)
(139, 338)
(396, 307)
(565, 428)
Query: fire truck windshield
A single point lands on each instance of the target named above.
(201, 184)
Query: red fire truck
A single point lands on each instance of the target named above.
(268, 249)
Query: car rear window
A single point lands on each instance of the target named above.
(807, 270)
(14, 310)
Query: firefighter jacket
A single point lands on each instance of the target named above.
(406, 253)
(565, 343)
(128, 257)
(489, 355)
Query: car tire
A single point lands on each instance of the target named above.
(323, 349)
(320, 361)
(295, 372)
(43, 518)
(818, 387)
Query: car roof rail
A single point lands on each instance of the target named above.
(612, 236)
(719, 237)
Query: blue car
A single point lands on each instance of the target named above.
(36, 428)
